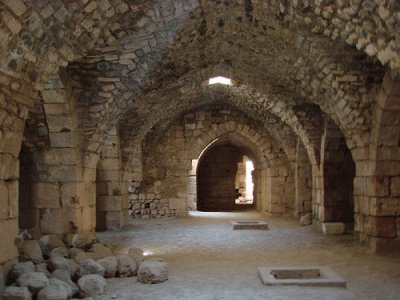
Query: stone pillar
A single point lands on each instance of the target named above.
(302, 181)
(112, 208)
(13, 110)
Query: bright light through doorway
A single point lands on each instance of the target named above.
(249, 180)
(220, 80)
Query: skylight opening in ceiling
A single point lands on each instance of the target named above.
(219, 80)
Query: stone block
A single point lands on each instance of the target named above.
(63, 173)
(380, 245)
(8, 233)
(4, 200)
(395, 186)
(384, 227)
(54, 96)
(61, 156)
(57, 123)
(63, 139)
(109, 203)
(9, 167)
(45, 195)
(60, 221)
(176, 203)
(13, 198)
(333, 228)
(109, 164)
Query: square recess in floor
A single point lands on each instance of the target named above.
(261, 225)
(310, 276)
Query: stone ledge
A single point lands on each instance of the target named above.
(325, 278)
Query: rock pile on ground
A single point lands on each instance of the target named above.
(76, 266)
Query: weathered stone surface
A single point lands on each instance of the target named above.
(152, 272)
(16, 293)
(126, 266)
(30, 250)
(64, 276)
(55, 290)
(20, 268)
(84, 256)
(34, 281)
(110, 265)
(89, 266)
(92, 285)
(73, 252)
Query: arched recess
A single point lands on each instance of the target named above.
(378, 184)
(215, 174)
(334, 203)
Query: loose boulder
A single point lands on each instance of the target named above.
(49, 242)
(30, 250)
(34, 281)
(100, 250)
(64, 276)
(85, 255)
(59, 262)
(55, 290)
(42, 268)
(92, 285)
(89, 266)
(59, 251)
(306, 220)
(136, 254)
(16, 293)
(152, 272)
(81, 240)
(20, 268)
(126, 266)
(110, 265)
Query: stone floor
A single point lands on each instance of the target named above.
(210, 260)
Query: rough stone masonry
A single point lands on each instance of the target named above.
(106, 101)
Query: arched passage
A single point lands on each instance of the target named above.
(220, 178)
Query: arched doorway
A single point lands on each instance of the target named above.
(223, 181)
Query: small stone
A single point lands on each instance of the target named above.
(16, 293)
(89, 266)
(306, 220)
(92, 285)
(126, 266)
(55, 290)
(85, 255)
(30, 250)
(110, 265)
(152, 272)
(21, 268)
(34, 281)
(333, 228)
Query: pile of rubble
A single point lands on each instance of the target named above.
(75, 267)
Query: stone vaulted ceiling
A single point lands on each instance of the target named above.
(136, 63)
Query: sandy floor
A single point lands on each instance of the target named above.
(209, 260)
